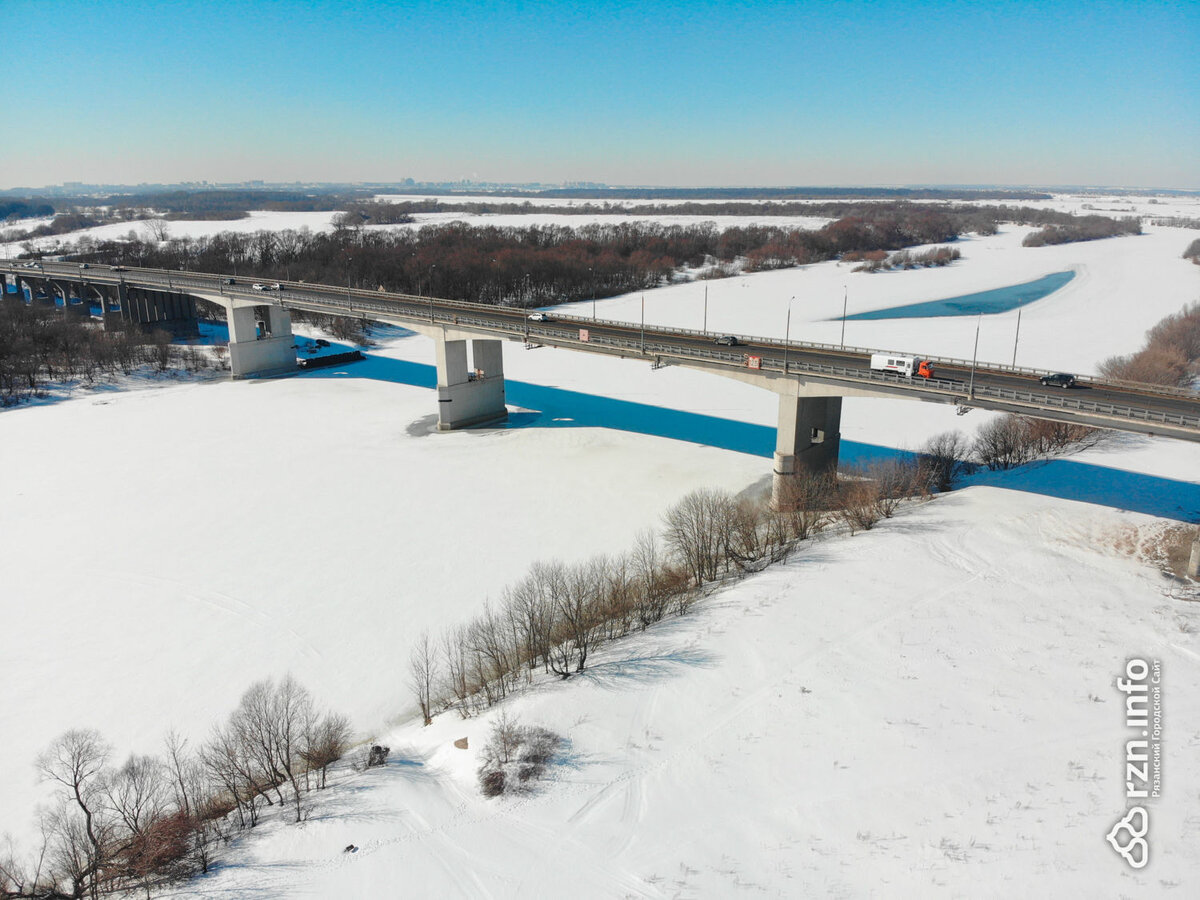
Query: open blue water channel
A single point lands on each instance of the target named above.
(988, 302)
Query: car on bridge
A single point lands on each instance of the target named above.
(119, 268)
(727, 340)
(266, 287)
(540, 317)
(1058, 379)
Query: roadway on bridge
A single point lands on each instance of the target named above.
(1141, 408)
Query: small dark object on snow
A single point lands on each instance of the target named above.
(378, 755)
(461, 743)
(350, 848)
(333, 359)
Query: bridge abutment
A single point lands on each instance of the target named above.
(1193, 568)
(807, 440)
(472, 396)
(260, 341)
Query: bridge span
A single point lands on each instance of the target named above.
(810, 379)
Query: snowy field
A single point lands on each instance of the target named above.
(906, 711)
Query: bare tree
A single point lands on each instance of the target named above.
(697, 531)
(422, 668)
(944, 459)
(1003, 443)
(76, 762)
(859, 504)
(157, 229)
(326, 740)
(651, 597)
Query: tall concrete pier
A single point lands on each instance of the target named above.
(471, 395)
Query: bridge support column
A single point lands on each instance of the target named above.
(808, 439)
(260, 341)
(1193, 568)
(470, 397)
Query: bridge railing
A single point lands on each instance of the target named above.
(409, 305)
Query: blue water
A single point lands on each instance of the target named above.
(988, 302)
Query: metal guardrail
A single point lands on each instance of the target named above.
(412, 306)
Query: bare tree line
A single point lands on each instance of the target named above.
(1083, 228)
(1170, 355)
(541, 264)
(553, 620)
(154, 819)
(40, 345)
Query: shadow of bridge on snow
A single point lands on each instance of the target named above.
(558, 408)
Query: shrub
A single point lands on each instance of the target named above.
(513, 749)
(491, 782)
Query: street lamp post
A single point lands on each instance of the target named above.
(643, 324)
(845, 300)
(592, 279)
(431, 268)
(1016, 338)
(787, 335)
(974, 356)
(705, 328)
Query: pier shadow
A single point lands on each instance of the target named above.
(549, 407)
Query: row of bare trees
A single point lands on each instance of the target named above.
(877, 260)
(154, 819)
(42, 344)
(1083, 228)
(553, 619)
(1170, 355)
(528, 266)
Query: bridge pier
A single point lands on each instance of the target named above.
(469, 397)
(1193, 567)
(808, 438)
(260, 341)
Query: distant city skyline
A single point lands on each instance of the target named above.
(663, 93)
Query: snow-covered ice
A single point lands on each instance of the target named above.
(908, 711)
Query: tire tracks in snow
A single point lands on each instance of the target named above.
(218, 600)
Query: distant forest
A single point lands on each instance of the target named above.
(542, 264)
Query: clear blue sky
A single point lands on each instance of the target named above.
(666, 93)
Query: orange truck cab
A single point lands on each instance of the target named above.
(925, 369)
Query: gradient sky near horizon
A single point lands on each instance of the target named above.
(707, 92)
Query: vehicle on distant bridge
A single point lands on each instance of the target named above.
(1058, 379)
(908, 366)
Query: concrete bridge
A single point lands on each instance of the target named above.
(809, 379)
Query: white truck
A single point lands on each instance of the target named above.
(908, 366)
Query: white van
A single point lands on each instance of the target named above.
(901, 365)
